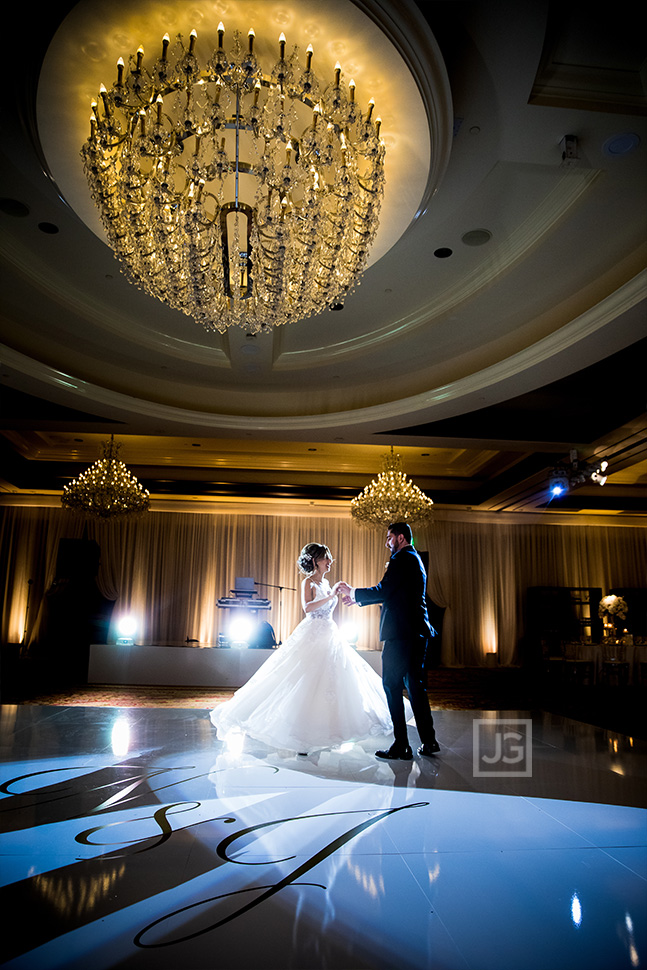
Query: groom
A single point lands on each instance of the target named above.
(405, 630)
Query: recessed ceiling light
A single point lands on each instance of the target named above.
(621, 144)
(476, 237)
(48, 227)
(443, 253)
(12, 207)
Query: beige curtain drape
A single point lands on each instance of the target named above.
(481, 573)
(170, 568)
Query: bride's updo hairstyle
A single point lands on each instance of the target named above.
(309, 555)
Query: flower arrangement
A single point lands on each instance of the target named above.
(613, 606)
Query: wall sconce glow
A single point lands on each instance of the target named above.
(126, 627)
(120, 736)
(576, 909)
(489, 636)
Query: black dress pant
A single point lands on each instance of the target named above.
(403, 667)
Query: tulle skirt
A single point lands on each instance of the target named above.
(313, 692)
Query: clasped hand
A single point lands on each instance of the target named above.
(345, 592)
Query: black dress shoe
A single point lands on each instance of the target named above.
(426, 750)
(395, 754)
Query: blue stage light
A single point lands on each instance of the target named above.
(558, 483)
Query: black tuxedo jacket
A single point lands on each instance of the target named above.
(402, 595)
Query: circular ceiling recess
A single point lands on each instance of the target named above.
(84, 52)
(476, 237)
(621, 144)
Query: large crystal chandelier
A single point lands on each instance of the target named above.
(107, 490)
(391, 497)
(236, 196)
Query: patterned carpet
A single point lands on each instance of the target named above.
(617, 710)
(112, 696)
(195, 697)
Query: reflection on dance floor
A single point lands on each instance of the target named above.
(134, 838)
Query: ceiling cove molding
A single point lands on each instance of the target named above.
(546, 217)
(586, 325)
(307, 508)
(365, 31)
(411, 34)
(72, 300)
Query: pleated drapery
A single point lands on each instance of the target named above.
(168, 569)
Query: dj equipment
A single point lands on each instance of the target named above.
(244, 597)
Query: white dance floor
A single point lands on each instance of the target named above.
(133, 838)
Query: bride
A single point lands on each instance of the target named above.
(314, 691)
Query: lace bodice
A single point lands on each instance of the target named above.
(325, 611)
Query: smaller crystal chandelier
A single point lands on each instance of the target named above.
(391, 497)
(107, 490)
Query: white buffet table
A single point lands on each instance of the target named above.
(179, 665)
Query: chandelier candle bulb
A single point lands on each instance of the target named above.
(120, 72)
(104, 97)
(166, 40)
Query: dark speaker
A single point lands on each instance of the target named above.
(77, 558)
